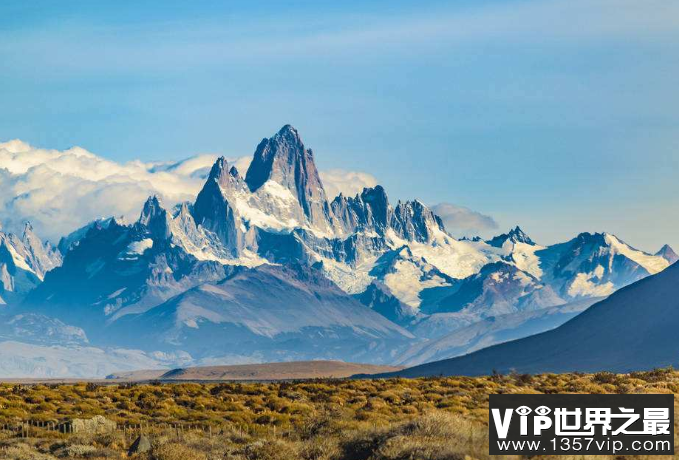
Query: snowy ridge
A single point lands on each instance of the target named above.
(652, 264)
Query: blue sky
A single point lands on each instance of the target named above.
(559, 115)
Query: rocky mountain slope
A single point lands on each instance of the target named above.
(268, 313)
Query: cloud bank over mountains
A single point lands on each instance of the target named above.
(461, 221)
(349, 183)
(58, 191)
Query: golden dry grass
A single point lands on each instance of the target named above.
(395, 419)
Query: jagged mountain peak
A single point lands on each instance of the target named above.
(606, 239)
(414, 221)
(66, 243)
(183, 208)
(367, 211)
(667, 253)
(223, 175)
(154, 218)
(28, 236)
(473, 239)
(515, 235)
(289, 132)
(285, 160)
(44, 254)
(376, 192)
(600, 238)
(377, 200)
(214, 208)
(282, 158)
(218, 169)
(152, 209)
(370, 211)
(518, 235)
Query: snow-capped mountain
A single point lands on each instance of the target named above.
(284, 161)
(263, 266)
(633, 329)
(595, 264)
(500, 288)
(531, 277)
(24, 261)
(280, 213)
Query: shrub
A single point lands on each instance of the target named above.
(269, 449)
(176, 451)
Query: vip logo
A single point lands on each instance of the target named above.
(569, 422)
(595, 424)
(541, 420)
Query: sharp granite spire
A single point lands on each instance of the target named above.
(285, 160)
(215, 208)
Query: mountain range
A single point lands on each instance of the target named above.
(632, 330)
(264, 266)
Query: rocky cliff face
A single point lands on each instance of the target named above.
(215, 207)
(367, 212)
(413, 221)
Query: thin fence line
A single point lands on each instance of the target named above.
(26, 428)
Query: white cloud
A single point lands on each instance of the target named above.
(350, 183)
(60, 191)
(462, 221)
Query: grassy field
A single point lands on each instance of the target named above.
(397, 419)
